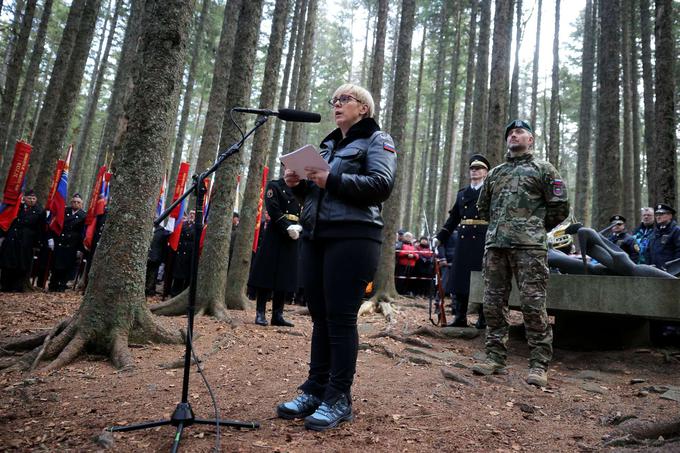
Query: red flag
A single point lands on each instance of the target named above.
(9, 208)
(206, 210)
(95, 207)
(57, 203)
(265, 172)
(177, 214)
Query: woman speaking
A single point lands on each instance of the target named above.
(342, 233)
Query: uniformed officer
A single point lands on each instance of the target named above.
(664, 245)
(644, 231)
(181, 268)
(68, 245)
(274, 272)
(464, 218)
(158, 251)
(522, 198)
(16, 252)
(623, 239)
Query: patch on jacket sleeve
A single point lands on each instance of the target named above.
(270, 193)
(388, 147)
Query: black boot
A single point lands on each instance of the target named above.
(277, 311)
(481, 321)
(261, 307)
(461, 312)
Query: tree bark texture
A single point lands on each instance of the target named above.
(628, 177)
(12, 35)
(534, 70)
(648, 96)
(466, 149)
(554, 140)
(378, 60)
(480, 102)
(305, 78)
(295, 77)
(634, 81)
(500, 84)
(607, 200)
(514, 84)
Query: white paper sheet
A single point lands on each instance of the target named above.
(307, 156)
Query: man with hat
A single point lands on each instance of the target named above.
(644, 231)
(664, 245)
(622, 238)
(464, 218)
(67, 245)
(522, 199)
(16, 252)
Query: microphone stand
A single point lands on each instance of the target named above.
(183, 416)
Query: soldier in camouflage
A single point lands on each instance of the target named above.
(522, 199)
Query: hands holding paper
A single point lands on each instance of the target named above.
(294, 231)
(318, 176)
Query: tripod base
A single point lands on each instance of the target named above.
(183, 417)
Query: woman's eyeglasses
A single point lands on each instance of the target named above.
(342, 99)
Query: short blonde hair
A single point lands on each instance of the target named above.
(360, 93)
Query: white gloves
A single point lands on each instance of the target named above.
(435, 242)
(50, 244)
(294, 231)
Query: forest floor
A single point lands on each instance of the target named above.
(402, 401)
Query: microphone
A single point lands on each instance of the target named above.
(284, 114)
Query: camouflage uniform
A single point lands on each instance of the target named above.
(522, 198)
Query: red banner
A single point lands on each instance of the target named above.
(55, 182)
(182, 176)
(17, 172)
(94, 196)
(265, 173)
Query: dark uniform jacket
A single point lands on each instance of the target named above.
(276, 262)
(464, 218)
(363, 168)
(24, 233)
(70, 241)
(158, 249)
(627, 243)
(181, 268)
(664, 245)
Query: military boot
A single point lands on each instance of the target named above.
(277, 314)
(460, 312)
(481, 321)
(537, 376)
(488, 367)
(261, 307)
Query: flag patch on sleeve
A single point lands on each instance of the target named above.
(388, 147)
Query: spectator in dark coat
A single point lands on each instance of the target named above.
(158, 251)
(68, 245)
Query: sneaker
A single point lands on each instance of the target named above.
(538, 377)
(303, 405)
(488, 367)
(329, 416)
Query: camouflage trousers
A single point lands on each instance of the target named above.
(530, 269)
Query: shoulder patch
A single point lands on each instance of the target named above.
(389, 147)
(558, 187)
(270, 193)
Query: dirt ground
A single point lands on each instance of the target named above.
(402, 400)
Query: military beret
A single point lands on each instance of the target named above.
(618, 218)
(401, 231)
(477, 160)
(76, 195)
(517, 124)
(663, 209)
(29, 193)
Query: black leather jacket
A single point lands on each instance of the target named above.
(363, 168)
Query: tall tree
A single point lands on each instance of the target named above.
(634, 81)
(648, 97)
(12, 35)
(114, 311)
(582, 197)
(59, 127)
(663, 160)
(378, 60)
(295, 78)
(32, 72)
(554, 143)
(212, 269)
(466, 149)
(384, 278)
(238, 275)
(607, 199)
(514, 84)
(534, 70)
(628, 167)
(14, 70)
(498, 92)
(189, 90)
(480, 101)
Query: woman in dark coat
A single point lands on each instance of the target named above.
(342, 233)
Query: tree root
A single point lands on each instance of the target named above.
(373, 306)
(68, 354)
(28, 342)
(415, 341)
(446, 332)
(641, 429)
(174, 306)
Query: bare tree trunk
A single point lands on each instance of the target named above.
(499, 90)
(635, 126)
(12, 36)
(554, 143)
(409, 177)
(305, 79)
(466, 149)
(84, 164)
(480, 103)
(364, 61)
(193, 152)
(295, 78)
(14, 69)
(514, 84)
(607, 199)
(628, 176)
(113, 310)
(384, 278)
(390, 76)
(582, 198)
(27, 90)
(534, 72)
(378, 60)
(238, 274)
(648, 99)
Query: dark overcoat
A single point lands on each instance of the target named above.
(276, 263)
(70, 241)
(24, 234)
(181, 269)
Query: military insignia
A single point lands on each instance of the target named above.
(270, 193)
(558, 188)
(388, 147)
